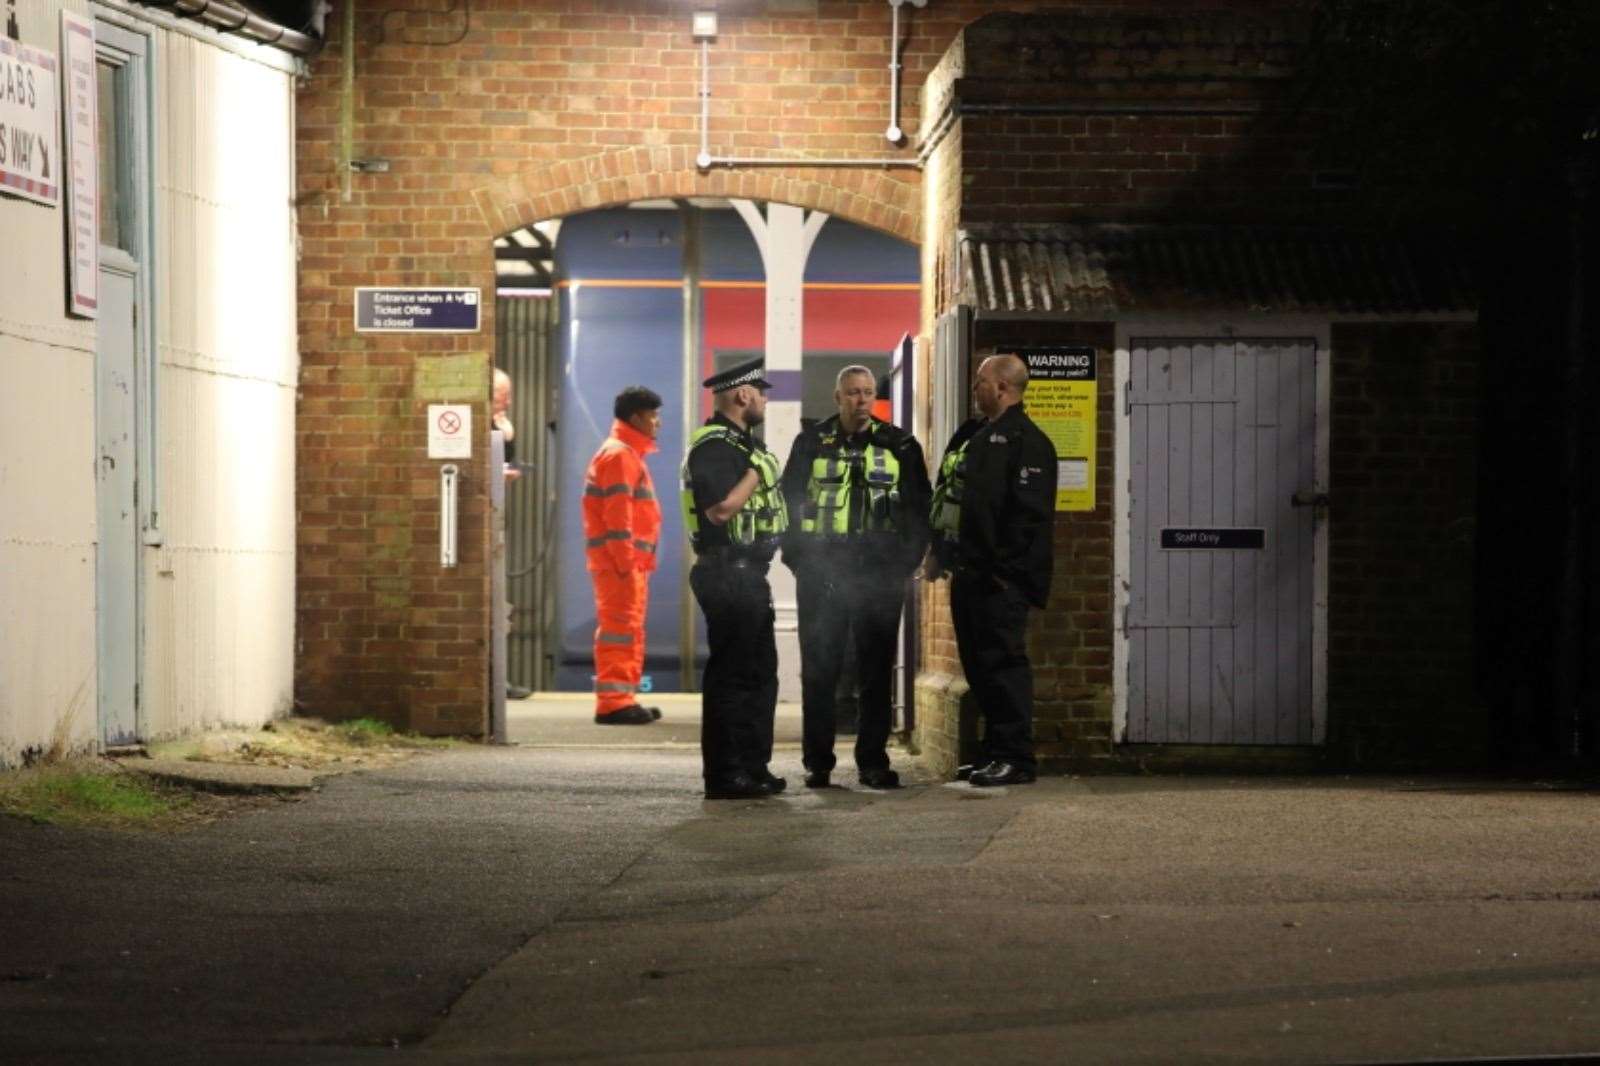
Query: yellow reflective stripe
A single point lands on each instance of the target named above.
(615, 638)
(615, 534)
(618, 489)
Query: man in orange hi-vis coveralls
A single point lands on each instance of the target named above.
(621, 526)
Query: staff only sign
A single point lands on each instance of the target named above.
(30, 165)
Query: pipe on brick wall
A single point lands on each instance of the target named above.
(230, 19)
(894, 134)
(705, 160)
(347, 101)
(799, 161)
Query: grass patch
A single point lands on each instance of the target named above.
(92, 795)
(363, 731)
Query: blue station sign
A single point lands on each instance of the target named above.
(416, 310)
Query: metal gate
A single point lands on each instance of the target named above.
(523, 328)
(1222, 438)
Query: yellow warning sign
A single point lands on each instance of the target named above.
(1062, 399)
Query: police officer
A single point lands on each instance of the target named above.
(734, 513)
(858, 494)
(993, 511)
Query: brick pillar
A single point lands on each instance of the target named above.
(382, 630)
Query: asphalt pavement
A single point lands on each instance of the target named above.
(573, 898)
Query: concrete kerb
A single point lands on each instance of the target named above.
(230, 778)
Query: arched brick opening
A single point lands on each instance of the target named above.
(884, 200)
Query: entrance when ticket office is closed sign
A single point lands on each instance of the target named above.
(1062, 400)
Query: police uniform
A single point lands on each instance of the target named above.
(858, 528)
(993, 513)
(739, 692)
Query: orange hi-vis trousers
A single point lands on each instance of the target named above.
(620, 599)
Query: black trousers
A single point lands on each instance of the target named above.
(833, 607)
(739, 692)
(991, 630)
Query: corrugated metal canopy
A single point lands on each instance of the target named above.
(1111, 269)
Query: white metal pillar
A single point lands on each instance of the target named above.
(784, 236)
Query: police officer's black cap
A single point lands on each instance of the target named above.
(752, 373)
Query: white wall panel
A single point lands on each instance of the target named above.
(46, 474)
(220, 591)
(219, 594)
(47, 641)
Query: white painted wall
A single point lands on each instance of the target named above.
(47, 516)
(218, 592)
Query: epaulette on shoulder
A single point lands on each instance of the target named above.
(706, 434)
(891, 435)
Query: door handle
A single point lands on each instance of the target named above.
(1309, 499)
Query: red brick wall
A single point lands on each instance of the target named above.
(522, 110)
(1404, 496)
(1094, 120)
(517, 112)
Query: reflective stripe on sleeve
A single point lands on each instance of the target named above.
(615, 638)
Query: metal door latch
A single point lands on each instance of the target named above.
(1309, 499)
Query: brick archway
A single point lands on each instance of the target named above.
(884, 200)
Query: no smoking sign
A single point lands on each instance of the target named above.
(449, 431)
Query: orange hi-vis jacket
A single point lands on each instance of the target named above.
(621, 517)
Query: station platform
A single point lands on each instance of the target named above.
(566, 720)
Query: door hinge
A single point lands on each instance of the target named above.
(1127, 398)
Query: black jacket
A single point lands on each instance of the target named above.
(1008, 504)
(901, 554)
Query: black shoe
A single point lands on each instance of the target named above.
(817, 779)
(655, 713)
(517, 692)
(1000, 773)
(739, 786)
(632, 715)
(765, 778)
(966, 771)
(884, 778)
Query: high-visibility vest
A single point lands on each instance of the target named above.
(763, 516)
(852, 485)
(621, 517)
(945, 516)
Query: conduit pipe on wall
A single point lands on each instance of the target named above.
(705, 160)
(347, 100)
(231, 19)
(894, 134)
